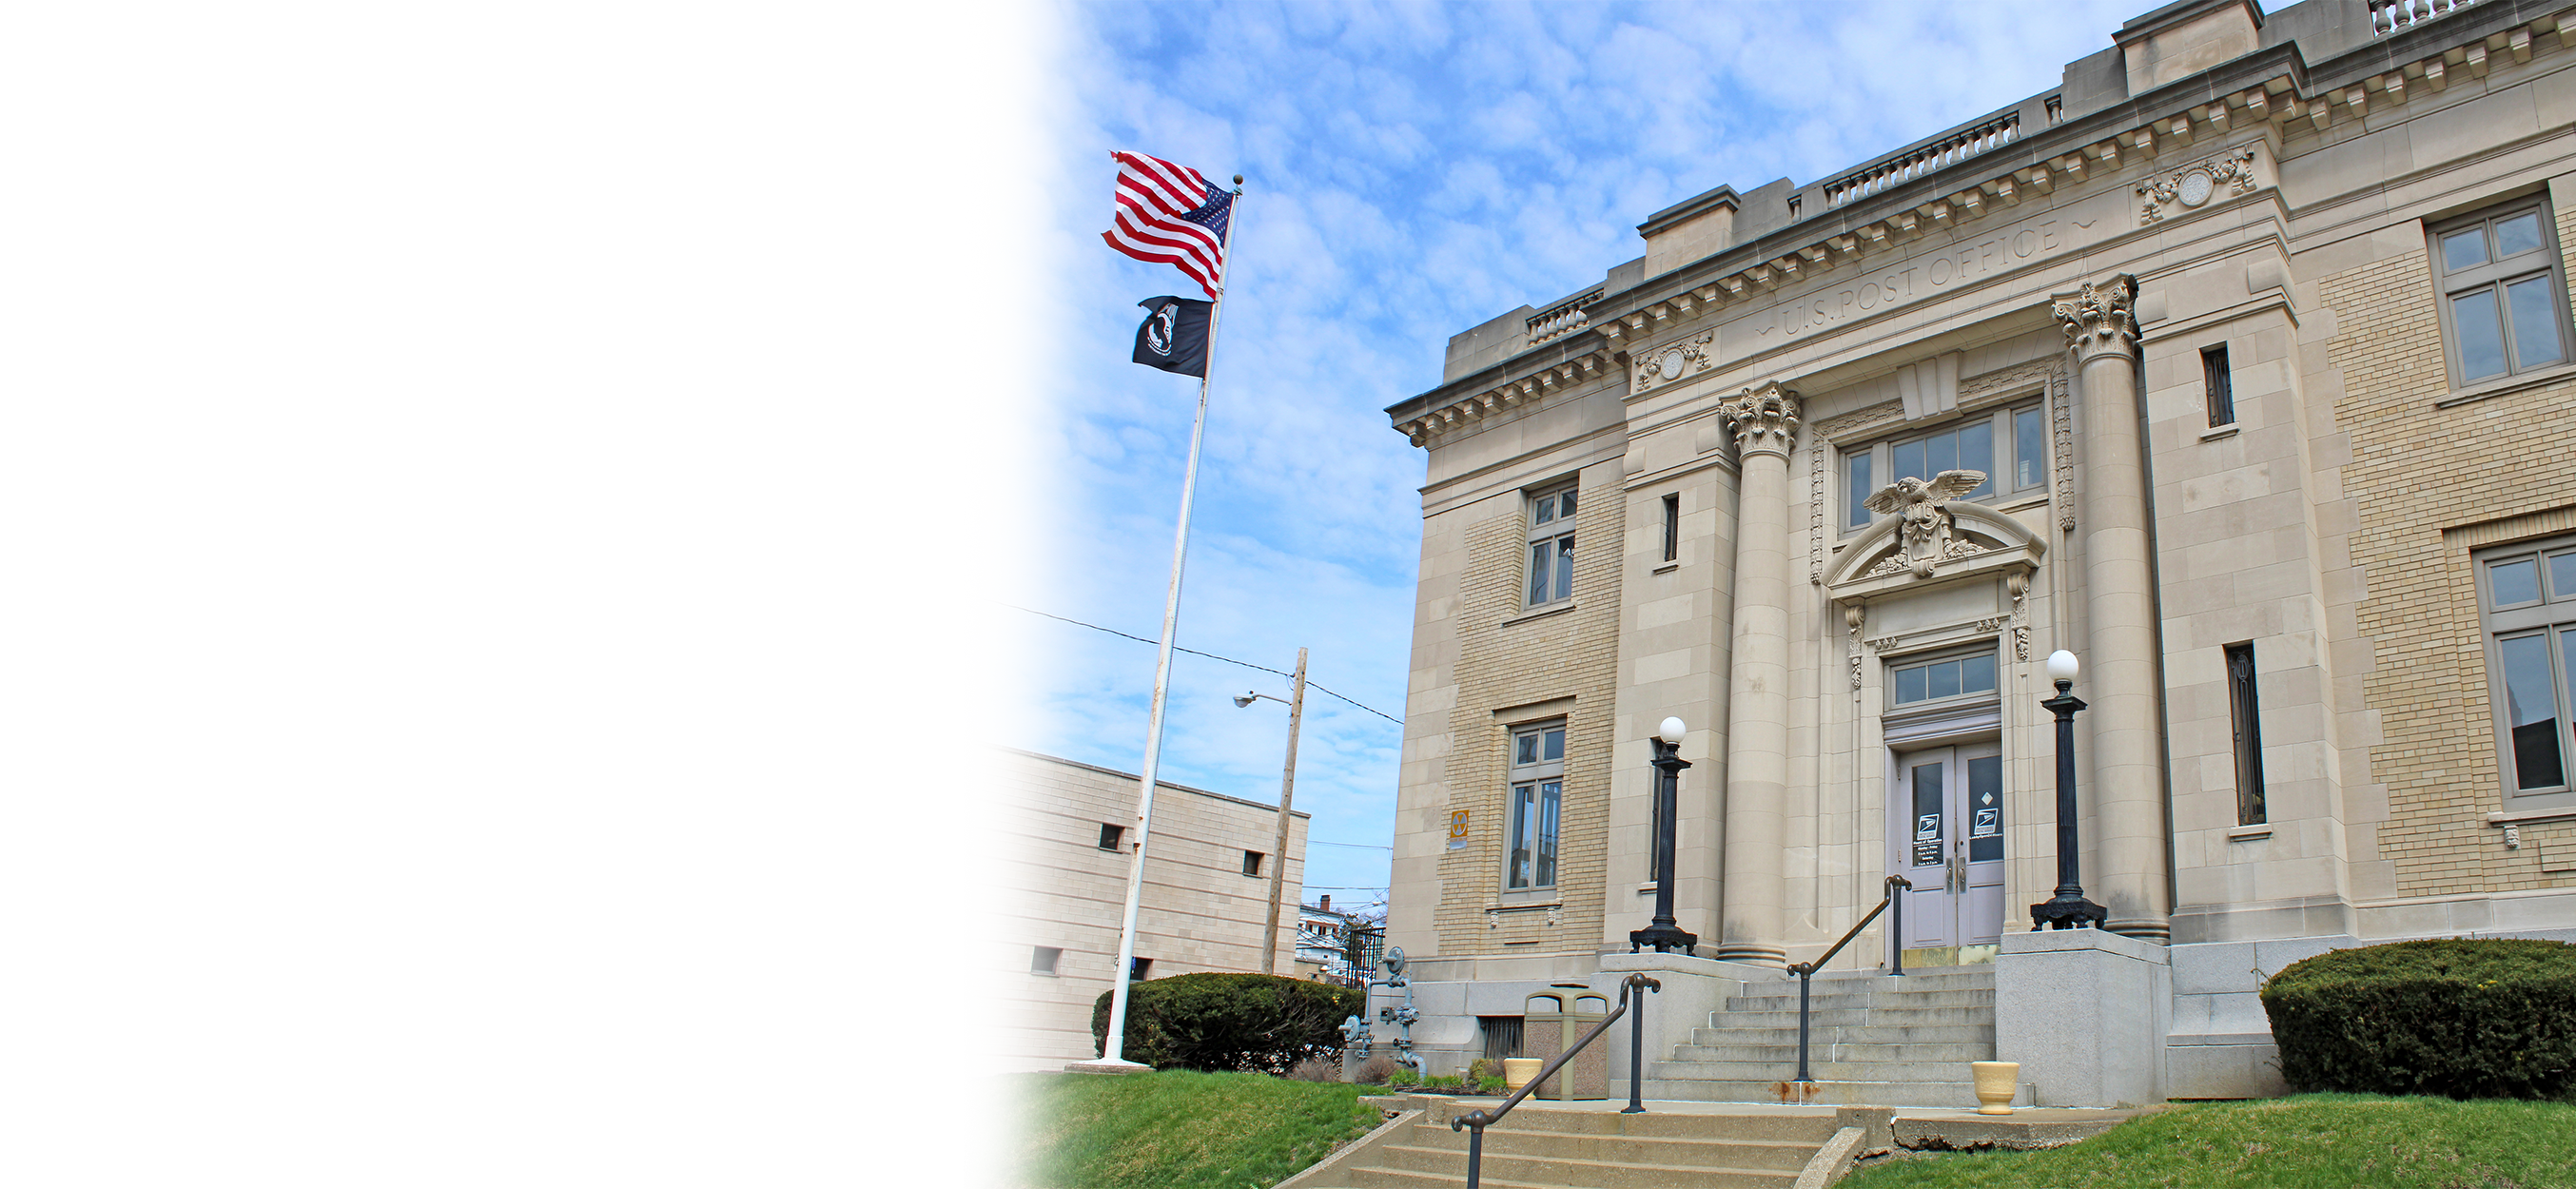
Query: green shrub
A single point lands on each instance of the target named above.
(1253, 1023)
(2462, 1018)
(1492, 1085)
(1403, 1079)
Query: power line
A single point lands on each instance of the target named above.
(1310, 682)
(1352, 845)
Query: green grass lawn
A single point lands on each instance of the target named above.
(1181, 1130)
(2309, 1141)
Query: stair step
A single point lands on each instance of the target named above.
(1499, 1164)
(1963, 997)
(1816, 1051)
(1774, 1154)
(1857, 1015)
(1952, 1092)
(1534, 1117)
(1823, 1034)
(1953, 1072)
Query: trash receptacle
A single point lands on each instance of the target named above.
(1550, 1026)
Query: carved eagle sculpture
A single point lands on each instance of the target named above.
(1926, 530)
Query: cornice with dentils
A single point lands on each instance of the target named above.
(2270, 86)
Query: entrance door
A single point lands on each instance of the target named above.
(1947, 816)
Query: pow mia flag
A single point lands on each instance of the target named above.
(1175, 335)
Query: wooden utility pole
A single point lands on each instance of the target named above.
(1287, 795)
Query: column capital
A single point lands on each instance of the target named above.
(2098, 320)
(1764, 417)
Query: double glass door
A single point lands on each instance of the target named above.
(1946, 810)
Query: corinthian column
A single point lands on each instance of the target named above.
(2127, 782)
(1765, 420)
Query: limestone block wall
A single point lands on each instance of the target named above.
(2241, 515)
(1199, 911)
(1673, 656)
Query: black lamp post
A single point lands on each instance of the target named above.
(1665, 934)
(2068, 909)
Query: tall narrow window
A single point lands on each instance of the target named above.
(1863, 485)
(1672, 527)
(1537, 792)
(2222, 393)
(1551, 547)
(2249, 736)
(2500, 293)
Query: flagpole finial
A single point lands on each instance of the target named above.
(1238, 179)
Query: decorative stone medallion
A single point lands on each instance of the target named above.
(2195, 184)
(1663, 365)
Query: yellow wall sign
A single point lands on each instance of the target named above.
(1457, 829)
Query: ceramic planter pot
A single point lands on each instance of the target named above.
(1995, 1081)
(1517, 1071)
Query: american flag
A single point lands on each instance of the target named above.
(1166, 214)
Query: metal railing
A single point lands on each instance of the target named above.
(1806, 971)
(1479, 1120)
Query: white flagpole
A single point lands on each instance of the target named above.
(1113, 1057)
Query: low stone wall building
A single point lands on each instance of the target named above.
(2238, 364)
(1070, 832)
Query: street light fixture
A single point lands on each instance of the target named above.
(1664, 933)
(2068, 909)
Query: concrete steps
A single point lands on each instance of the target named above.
(1873, 1039)
(1594, 1148)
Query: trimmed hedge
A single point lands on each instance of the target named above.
(1255, 1023)
(2461, 1018)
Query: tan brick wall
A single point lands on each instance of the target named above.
(2416, 471)
(1198, 912)
(1572, 654)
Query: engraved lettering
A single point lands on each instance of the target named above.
(2048, 236)
(1939, 270)
(1869, 294)
(2025, 243)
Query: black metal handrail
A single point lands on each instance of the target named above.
(1630, 986)
(1806, 971)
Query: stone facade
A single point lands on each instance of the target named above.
(2223, 198)
(1200, 912)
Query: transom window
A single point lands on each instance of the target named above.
(1958, 675)
(1551, 547)
(2500, 287)
(2528, 599)
(2009, 445)
(1538, 795)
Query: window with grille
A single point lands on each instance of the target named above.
(1537, 784)
(1551, 548)
(2008, 445)
(2501, 309)
(2527, 597)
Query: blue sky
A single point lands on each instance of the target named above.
(1411, 171)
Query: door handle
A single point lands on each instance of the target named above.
(1958, 866)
